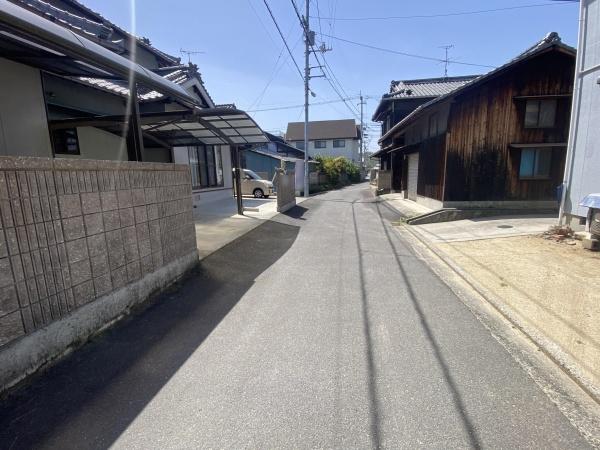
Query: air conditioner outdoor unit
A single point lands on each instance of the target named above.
(592, 202)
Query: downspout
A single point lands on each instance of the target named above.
(575, 109)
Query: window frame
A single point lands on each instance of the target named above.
(535, 164)
(540, 113)
(343, 141)
(433, 120)
(59, 141)
(206, 166)
(299, 145)
(322, 143)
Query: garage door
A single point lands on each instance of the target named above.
(413, 174)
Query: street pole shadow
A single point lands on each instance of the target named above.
(89, 398)
(458, 402)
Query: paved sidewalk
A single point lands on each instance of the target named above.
(406, 208)
(485, 228)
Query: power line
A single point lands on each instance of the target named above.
(462, 13)
(411, 55)
(278, 108)
(283, 38)
(325, 66)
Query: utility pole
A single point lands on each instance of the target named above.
(307, 44)
(362, 138)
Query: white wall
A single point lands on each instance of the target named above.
(584, 146)
(23, 122)
(350, 151)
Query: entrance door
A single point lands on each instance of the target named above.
(413, 175)
(397, 170)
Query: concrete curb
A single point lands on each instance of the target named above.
(552, 350)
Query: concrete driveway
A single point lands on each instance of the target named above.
(218, 223)
(484, 228)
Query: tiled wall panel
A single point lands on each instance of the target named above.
(72, 231)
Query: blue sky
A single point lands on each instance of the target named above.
(243, 52)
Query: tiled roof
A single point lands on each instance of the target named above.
(427, 87)
(176, 74)
(98, 28)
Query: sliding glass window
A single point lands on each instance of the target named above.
(206, 166)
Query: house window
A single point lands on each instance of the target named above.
(339, 143)
(535, 163)
(66, 141)
(540, 113)
(206, 166)
(433, 125)
(300, 145)
(320, 144)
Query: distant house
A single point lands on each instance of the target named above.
(279, 146)
(265, 164)
(265, 158)
(327, 138)
(582, 174)
(497, 140)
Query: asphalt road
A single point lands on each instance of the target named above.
(320, 329)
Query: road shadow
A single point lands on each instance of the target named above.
(89, 398)
(374, 403)
(297, 212)
(459, 404)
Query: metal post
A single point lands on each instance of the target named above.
(362, 139)
(135, 140)
(238, 179)
(306, 91)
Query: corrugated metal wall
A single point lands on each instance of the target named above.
(585, 142)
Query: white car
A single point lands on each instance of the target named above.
(254, 185)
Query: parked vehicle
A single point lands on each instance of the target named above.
(253, 184)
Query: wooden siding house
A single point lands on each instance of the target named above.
(496, 141)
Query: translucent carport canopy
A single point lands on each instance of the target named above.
(210, 126)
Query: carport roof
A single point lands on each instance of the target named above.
(208, 126)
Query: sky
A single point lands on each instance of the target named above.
(244, 61)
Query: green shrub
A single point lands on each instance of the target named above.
(339, 170)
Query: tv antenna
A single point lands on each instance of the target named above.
(189, 54)
(446, 59)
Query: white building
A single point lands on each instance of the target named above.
(327, 138)
(582, 172)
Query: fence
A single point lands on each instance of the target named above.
(80, 242)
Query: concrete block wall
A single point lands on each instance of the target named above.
(384, 180)
(286, 190)
(75, 231)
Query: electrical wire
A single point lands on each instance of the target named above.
(284, 40)
(322, 66)
(278, 108)
(462, 13)
(411, 55)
